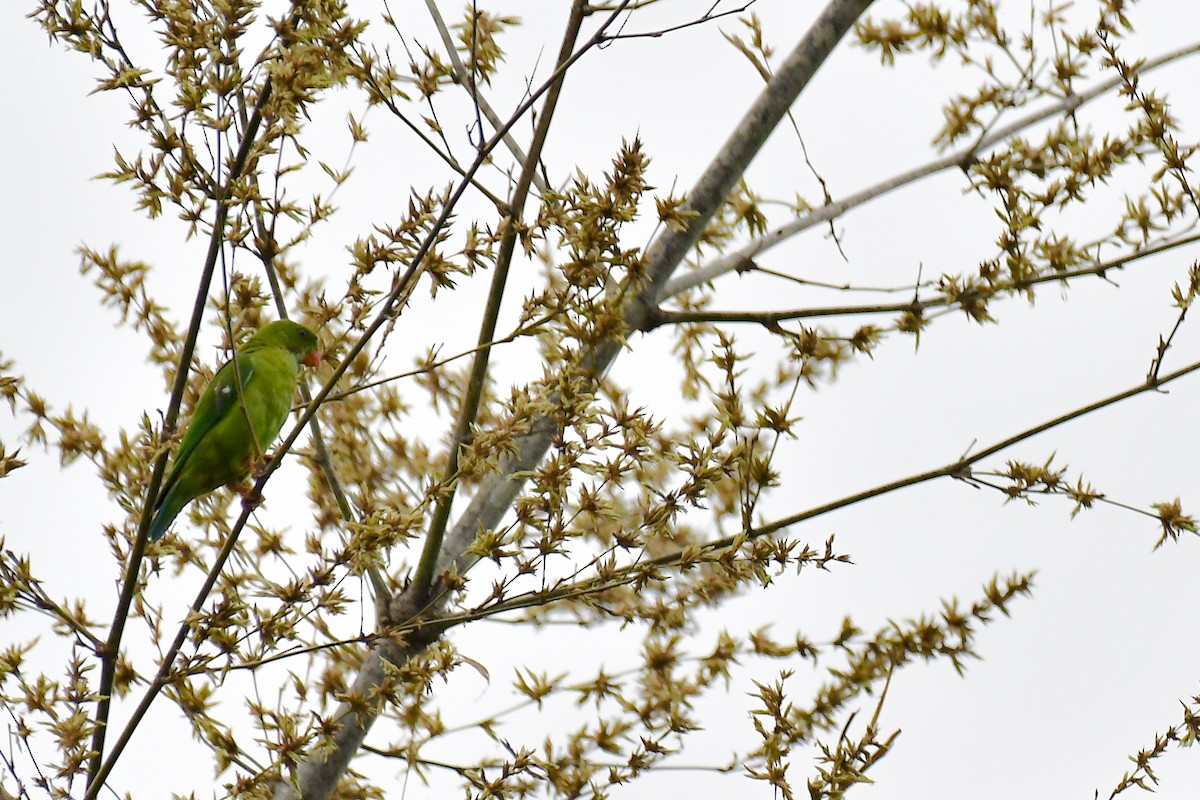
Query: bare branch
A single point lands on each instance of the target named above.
(771, 319)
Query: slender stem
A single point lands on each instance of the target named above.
(323, 459)
(467, 175)
(42, 601)
(423, 580)
(163, 677)
(129, 585)
(962, 467)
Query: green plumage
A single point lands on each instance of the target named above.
(236, 420)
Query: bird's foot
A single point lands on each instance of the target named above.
(251, 498)
(259, 466)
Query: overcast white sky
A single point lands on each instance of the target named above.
(1083, 674)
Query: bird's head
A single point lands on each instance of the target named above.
(291, 336)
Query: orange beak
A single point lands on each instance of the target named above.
(312, 358)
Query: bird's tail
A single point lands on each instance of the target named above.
(165, 514)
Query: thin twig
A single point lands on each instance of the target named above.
(771, 319)
(708, 16)
(460, 76)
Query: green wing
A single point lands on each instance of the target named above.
(219, 398)
(193, 472)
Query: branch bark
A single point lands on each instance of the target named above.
(771, 319)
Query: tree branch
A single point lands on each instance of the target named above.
(743, 257)
(960, 468)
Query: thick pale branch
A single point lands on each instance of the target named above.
(497, 492)
(751, 134)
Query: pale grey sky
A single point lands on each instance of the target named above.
(1083, 674)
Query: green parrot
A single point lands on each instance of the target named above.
(237, 417)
